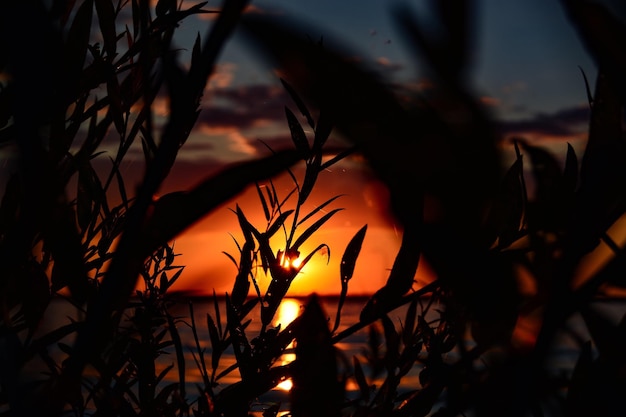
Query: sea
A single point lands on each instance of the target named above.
(353, 344)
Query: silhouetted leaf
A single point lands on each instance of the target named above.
(241, 347)
(506, 213)
(321, 246)
(297, 134)
(106, 19)
(600, 31)
(339, 157)
(400, 278)
(301, 106)
(322, 131)
(350, 255)
(409, 323)
(76, 45)
(549, 210)
(570, 175)
(216, 345)
(314, 227)
(218, 317)
(359, 376)
(278, 223)
(266, 210)
(310, 178)
(392, 344)
(241, 286)
(318, 209)
(587, 88)
(346, 268)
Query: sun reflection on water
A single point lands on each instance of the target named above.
(288, 310)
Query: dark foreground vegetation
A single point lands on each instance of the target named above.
(68, 232)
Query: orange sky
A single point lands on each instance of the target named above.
(364, 201)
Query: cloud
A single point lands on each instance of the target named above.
(387, 65)
(222, 76)
(244, 106)
(490, 101)
(562, 123)
(239, 143)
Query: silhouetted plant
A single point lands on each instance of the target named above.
(63, 95)
(441, 154)
(257, 355)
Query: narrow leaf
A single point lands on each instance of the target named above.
(297, 133)
(266, 210)
(319, 208)
(314, 227)
(296, 98)
(280, 220)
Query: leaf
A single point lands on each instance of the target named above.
(310, 178)
(241, 286)
(313, 228)
(278, 223)
(218, 317)
(163, 373)
(392, 344)
(400, 278)
(241, 347)
(319, 208)
(504, 220)
(174, 212)
(350, 255)
(165, 393)
(549, 209)
(322, 132)
(346, 269)
(296, 98)
(196, 51)
(587, 88)
(364, 389)
(570, 174)
(172, 280)
(321, 246)
(216, 344)
(600, 31)
(106, 18)
(297, 134)
(340, 156)
(232, 258)
(76, 45)
(271, 194)
(266, 210)
(120, 184)
(409, 323)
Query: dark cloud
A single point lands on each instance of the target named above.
(565, 122)
(245, 106)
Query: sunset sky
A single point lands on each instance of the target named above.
(526, 71)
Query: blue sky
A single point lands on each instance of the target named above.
(527, 53)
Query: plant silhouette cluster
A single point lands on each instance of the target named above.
(73, 235)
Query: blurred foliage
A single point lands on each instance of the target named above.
(71, 232)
